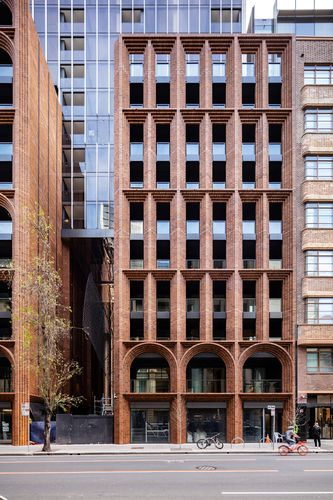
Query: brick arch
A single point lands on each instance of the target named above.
(8, 355)
(7, 45)
(11, 6)
(212, 348)
(7, 204)
(281, 354)
(163, 351)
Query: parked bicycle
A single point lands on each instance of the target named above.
(204, 443)
(300, 448)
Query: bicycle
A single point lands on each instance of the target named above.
(300, 448)
(204, 443)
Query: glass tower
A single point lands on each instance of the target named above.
(78, 37)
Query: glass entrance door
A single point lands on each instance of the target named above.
(258, 423)
(5, 425)
(324, 417)
(150, 426)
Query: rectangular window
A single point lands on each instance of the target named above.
(248, 65)
(319, 263)
(319, 215)
(218, 62)
(318, 119)
(318, 74)
(318, 167)
(319, 310)
(192, 66)
(162, 66)
(274, 64)
(136, 65)
(319, 360)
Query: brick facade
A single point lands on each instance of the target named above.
(36, 120)
(178, 351)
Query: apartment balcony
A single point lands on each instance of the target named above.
(249, 307)
(263, 386)
(219, 308)
(154, 385)
(275, 308)
(163, 308)
(136, 305)
(210, 386)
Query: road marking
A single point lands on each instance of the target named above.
(276, 493)
(226, 471)
(46, 460)
(318, 470)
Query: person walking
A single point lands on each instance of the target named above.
(316, 430)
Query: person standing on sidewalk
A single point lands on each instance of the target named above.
(316, 430)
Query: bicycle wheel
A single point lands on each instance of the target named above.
(218, 444)
(283, 450)
(202, 444)
(302, 450)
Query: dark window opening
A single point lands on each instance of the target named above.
(163, 254)
(162, 95)
(192, 95)
(248, 95)
(219, 254)
(249, 254)
(192, 174)
(136, 95)
(219, 174)
(274, 95)
(6, 18)
(136, 174)
(163, 175)
(219, 95)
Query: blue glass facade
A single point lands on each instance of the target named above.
(78, 37)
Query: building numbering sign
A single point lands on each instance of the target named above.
(25, 409)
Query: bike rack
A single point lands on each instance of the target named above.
(237, 440)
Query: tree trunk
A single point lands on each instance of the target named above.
(47, 431)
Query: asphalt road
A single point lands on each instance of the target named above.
(175, 477)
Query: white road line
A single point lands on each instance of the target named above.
(84, 461)
(276, 493)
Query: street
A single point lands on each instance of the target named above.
(167, 477)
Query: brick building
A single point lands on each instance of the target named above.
(30, 161)
(204, 237)
(314, 215)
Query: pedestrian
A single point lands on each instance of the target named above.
(316, 430)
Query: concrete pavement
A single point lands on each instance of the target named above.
(133, 449)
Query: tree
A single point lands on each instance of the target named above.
(46, 326)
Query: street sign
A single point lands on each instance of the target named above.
(271, 407)
(25, 409)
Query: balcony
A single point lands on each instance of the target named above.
(193, 308)
(249, 307)
(136, 305)
(163, 308)
(263, 386)
(219, 307)
(219, 263)
(199, 386)
(153, 385)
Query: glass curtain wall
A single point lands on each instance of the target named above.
(78, 38)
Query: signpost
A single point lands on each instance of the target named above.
(25, 412)
(272, 410)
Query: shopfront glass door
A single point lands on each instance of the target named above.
(150, 425)
(258, 423)
(324, 417)
(5, 425)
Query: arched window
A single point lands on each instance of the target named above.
(262, 373)
(150, 373)
(6, 18)
(5, 375)
(206, 373)
(6, 79)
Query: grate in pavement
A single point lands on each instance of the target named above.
(206, 467)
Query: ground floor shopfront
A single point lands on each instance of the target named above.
(155, 422)
(6, 422)
(319, 408)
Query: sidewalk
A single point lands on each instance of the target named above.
(138, 449)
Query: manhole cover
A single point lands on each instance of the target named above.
(206, 467)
